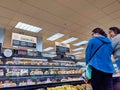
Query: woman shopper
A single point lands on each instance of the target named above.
(98, 55)
(114, 33)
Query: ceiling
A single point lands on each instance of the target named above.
(74, 18)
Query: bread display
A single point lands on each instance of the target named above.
(23, 72)
(10, 62)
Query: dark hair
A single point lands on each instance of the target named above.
(116, 30)
(100, 31)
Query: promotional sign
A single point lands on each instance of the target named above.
(62, 44)
(62, 48)
(23, 40)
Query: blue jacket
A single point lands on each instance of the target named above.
(102, 59)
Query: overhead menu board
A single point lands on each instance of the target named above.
(23, 40)
(61, 47)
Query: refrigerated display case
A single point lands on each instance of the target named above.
(33, 73)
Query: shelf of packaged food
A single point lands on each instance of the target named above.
(39, 76)
(34, 87)
(37, 59)
(34, 66)
(64, 61)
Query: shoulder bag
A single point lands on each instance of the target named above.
(88, 72)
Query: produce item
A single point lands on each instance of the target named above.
(65, 87)
(84, 87)
(71, 87)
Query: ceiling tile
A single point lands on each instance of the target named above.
(4, 20)
(6, 13)
(115, 14)
(112, 8)
(97, 15)
(101, 3)
(11, 5)
(105, 19)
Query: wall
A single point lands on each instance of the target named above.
(7, 39)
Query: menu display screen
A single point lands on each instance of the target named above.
(16, 42)
(62, 49)
(23, 40)
(23, 44)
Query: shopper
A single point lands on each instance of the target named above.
(114, 33)
(101, 63)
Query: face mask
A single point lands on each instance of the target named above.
(94, 35)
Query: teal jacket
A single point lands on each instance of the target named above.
(102, 59)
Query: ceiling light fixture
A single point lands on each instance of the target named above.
(28, 27)
(55, 36)
(48, 49)
(77, 49)
(69, 40)
(80, 43)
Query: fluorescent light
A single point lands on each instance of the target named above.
(77, 49)
(80, 43)
(28, 27)
(55, 36)
(69, 40)
(48, 49)
(77, 53)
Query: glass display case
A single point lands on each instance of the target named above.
(19, 72)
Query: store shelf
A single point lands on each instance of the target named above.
(35, 66)
(39, 76)
(37, 59)
(34, 87)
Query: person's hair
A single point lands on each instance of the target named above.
(116, 30)
(100, 31)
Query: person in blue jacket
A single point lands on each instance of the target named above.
(101, 63)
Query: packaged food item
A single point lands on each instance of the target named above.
(1, 62)
(29, 82)
(6, 83)
(24, 72)
(10, 62)
(1, 84)
(36, 72)
(40, 72)
(46, 73)
(1, 72)
(48, 80)
(22, 83)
